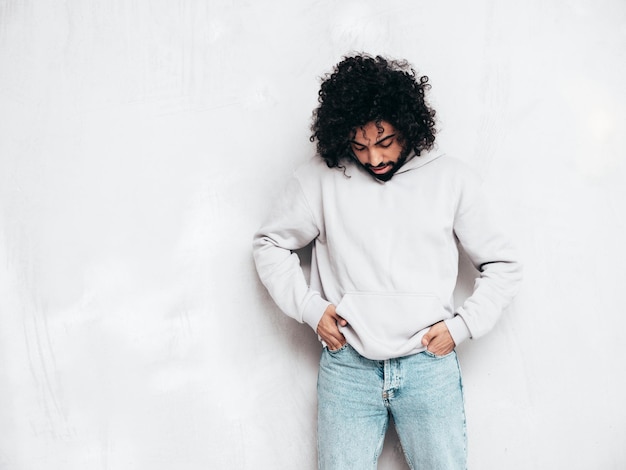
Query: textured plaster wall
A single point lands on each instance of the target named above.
(140, 144)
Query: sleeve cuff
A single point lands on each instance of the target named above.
(458, 329)
(314, 311)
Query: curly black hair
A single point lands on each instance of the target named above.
(363, 89)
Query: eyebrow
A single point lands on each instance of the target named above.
(375, 143)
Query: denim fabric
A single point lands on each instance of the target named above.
(358, 396)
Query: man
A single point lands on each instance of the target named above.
(385, 213)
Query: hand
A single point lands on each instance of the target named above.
(328, 328)
(438, 339)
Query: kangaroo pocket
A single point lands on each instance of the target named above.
(384, 325)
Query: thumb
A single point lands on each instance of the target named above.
(426, 339)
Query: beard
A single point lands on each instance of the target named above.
(395, 166)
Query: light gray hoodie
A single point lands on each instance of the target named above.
(385, 253)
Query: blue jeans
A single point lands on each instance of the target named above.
(357, 396)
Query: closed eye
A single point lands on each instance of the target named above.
(385, 142)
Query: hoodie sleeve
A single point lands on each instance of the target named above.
(491, 252)
(289, 226)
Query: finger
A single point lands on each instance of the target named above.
(335, 342)
(332, 336)
(441, 346)
(426, 338)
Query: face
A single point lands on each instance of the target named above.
(378, 147)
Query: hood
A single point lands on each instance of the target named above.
(413, 162)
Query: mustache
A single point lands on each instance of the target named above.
(380, 165)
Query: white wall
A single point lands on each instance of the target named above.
(140, 144)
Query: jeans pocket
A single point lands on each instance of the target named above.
(435, 356)
(337, 351)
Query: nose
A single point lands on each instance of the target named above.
(375, 157)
